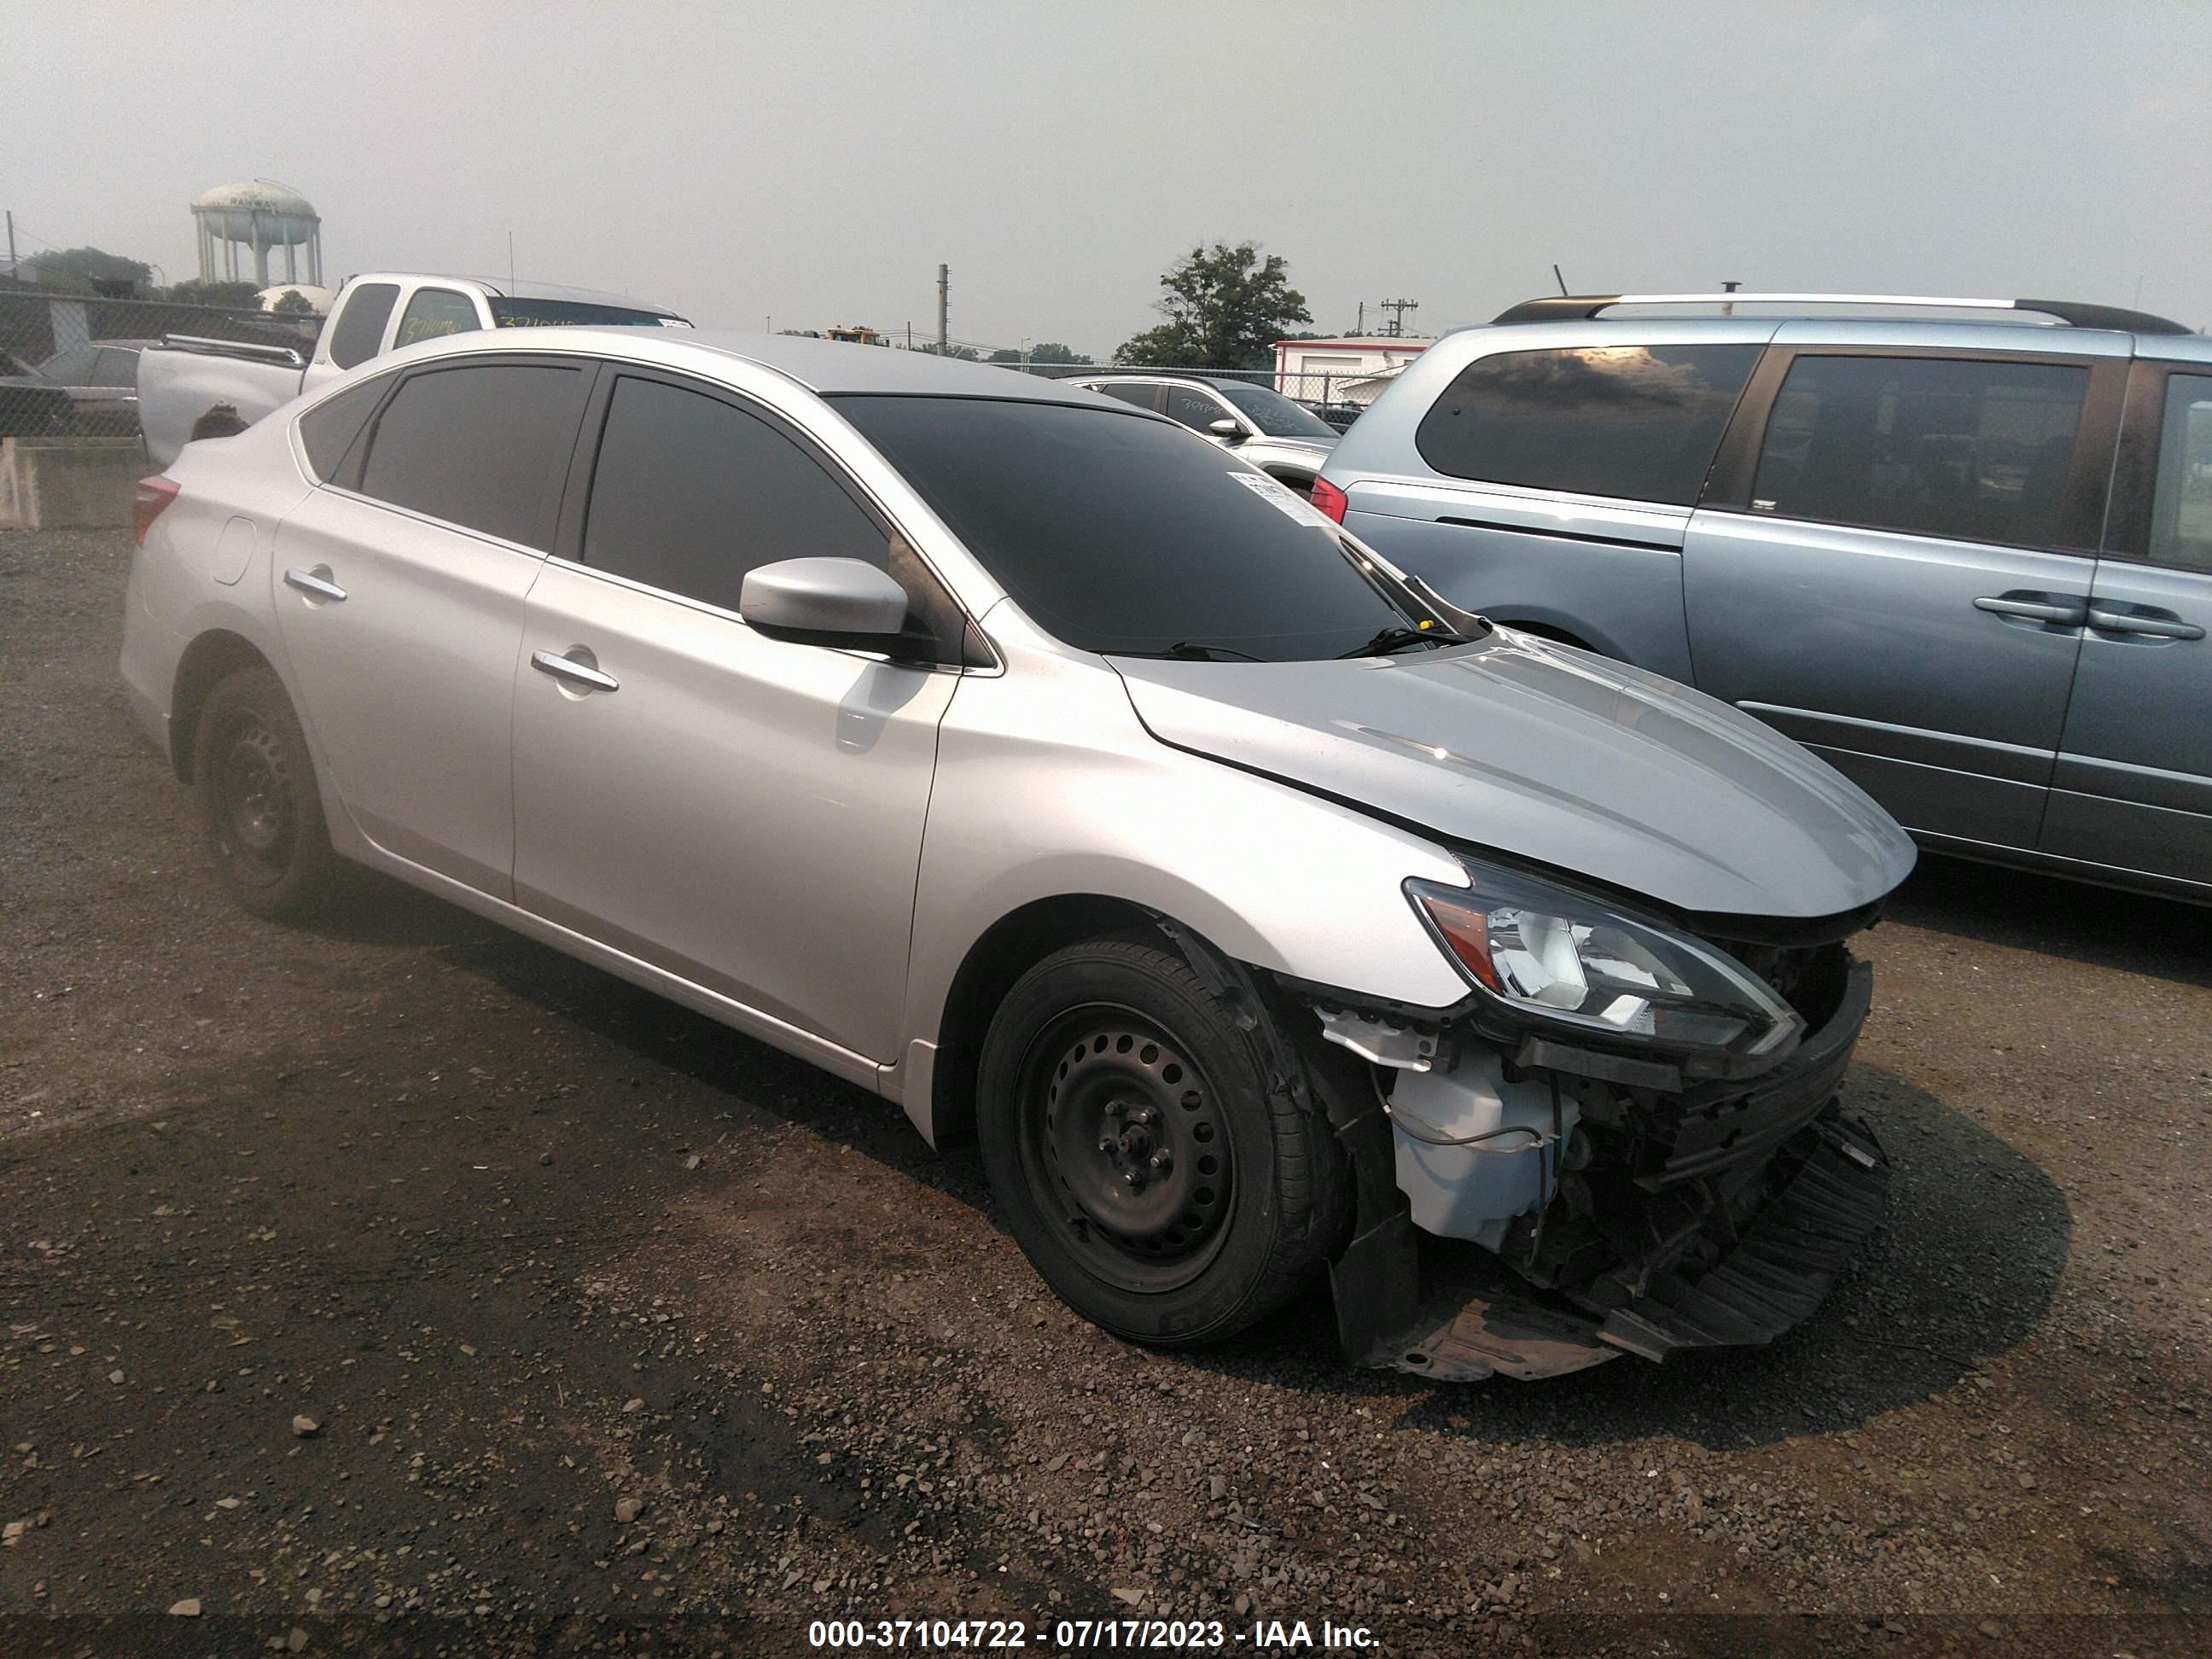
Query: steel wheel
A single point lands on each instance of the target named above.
(1125, 1130)
(258, 827)
(258, 796)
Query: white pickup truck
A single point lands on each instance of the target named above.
(191, 388)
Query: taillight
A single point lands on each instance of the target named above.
(154, 494)
(1329, 499)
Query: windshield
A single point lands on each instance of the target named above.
(1276, 415)
(1122, 534)
(576, 313)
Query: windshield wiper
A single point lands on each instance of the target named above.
(1196, 651)
(1397, 638)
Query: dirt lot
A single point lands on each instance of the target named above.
(397, 1282)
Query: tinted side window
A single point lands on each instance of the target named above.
(327, 430)
(1933, 447)
(361, 322)
(69, 368)
(1145, 397)
(116, 367)
(690, 493)
(482, 446)
(1637, 423)
(1195, 408)
(433, 312)
(2181, 515)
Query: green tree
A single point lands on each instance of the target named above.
(293, 303)
(81, 267)
(1045, 351)
(958, 353)
(193, 292)
(1225, 307)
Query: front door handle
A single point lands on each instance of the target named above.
(316, 584)
(2149, 628)
(2070, 614)
(584, 674)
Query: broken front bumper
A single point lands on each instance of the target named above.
(1650, 1219)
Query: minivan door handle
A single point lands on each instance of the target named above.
(316, 584)
(2168, 627)
(584, 674)
(2035, 607)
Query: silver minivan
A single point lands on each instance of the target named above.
(1014, 754)
(1965, 559)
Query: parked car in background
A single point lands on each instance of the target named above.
(1275, 434)
(1002, 748)
(1967, 562)
(191, 388)
(1337, 417)
(87, 390)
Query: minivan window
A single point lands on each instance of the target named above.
(1120, 535)
(360, 322)
(1637, 423)
(433, 313)
(482, 445)
(2181, 514)
(690, 493)
(327, 430)
(1966, 449)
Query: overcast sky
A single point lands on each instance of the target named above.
(813, 161)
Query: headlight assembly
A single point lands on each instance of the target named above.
(1554, 958)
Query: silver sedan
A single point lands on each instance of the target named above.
(1017, 755)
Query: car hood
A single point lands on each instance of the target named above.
(1319, 448)
(1555, 755)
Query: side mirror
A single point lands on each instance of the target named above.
(835, 602)
(1228, 430)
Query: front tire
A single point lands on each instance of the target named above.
(259, 807)
(1144, 1163)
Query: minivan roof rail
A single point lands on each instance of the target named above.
(1568, 307)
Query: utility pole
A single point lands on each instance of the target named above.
(1360, 332)
(1730, 288)
(11, 241)
(1398, 308)
(944, 292)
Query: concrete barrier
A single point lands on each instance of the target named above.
(69, 483)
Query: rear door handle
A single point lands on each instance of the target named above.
(576, 673)
(2149, 628)
(2069, 615)
(316, 584)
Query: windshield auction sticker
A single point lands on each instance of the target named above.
(1268, 489)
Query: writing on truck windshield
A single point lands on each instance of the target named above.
(576, 313)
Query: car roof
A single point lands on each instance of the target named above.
(830, 368)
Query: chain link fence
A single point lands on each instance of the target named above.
(69, 363)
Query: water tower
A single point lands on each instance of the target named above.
(259, 216)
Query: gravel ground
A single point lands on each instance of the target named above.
(396, 1281)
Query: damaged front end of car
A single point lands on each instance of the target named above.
(1637, 1118)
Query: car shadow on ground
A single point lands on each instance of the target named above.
(2024, 910)
(1963, 1269)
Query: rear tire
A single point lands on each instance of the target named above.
(1142, 1161)
(259, 806)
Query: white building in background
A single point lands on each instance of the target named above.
(1350, 370)
(257, 216)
